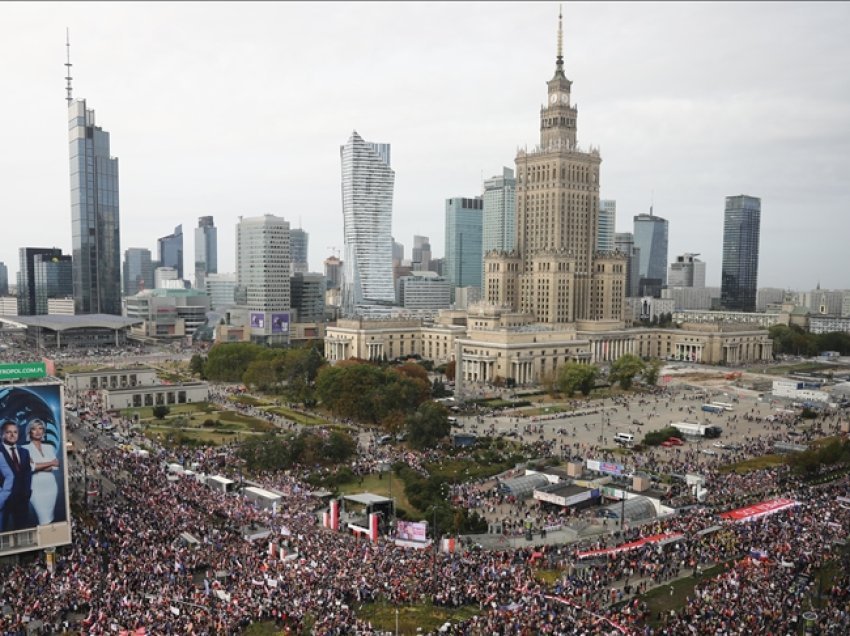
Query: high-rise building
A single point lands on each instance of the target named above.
(4, 280)
(262, 263)
(607, 223)
(398, 253)
(95, 221)
(464, 234)
(206, 250)
(54, 278)
(138, 270)
(624, 242)
(220, 288)
(367, 206)
(333, 272)
(308, 296)
(170, 250)
(28, 257)
(420, 259)
(556, 274)
(499, 233)
(298, 246)
(166, 278)
(424, 290)
(686, 271)
(768, 296)
(651, 238)
(741, 228)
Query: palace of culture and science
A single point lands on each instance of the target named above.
(552, 300)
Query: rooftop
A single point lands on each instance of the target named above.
(64, 323)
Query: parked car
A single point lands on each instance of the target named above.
(385, 439)
(675, 441)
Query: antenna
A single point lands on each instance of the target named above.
(68, 78)
(560, 58)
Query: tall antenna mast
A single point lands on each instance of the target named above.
(68, 78)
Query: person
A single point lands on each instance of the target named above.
(17, 507)
(44, 463)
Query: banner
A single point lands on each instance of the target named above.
(605, 467)
(660, 539)
(757, 511)
(280, 323)
(411, 531)
(258, 320)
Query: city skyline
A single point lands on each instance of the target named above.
(683, 134)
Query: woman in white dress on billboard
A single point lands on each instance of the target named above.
(44, 464)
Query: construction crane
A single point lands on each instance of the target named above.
(334, 250)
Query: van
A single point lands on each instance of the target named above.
(452, 420)
(626, 439)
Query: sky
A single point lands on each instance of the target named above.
(239, 109)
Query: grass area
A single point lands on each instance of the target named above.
(661, 600)
(756, 463)
(460, 470)
(146, 412)
(262, 629)
(248, 400)
(379, 484)
(412, 619)
(802, 367)
(301, 418)
(207, 436)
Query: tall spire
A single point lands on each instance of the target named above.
(68, 65)
(559, 61)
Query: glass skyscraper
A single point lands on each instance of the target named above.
(651, 239)
(95, 225)
(464, 236)
(138, 270)
(499, 232)
(299, 242)
(28, 257)
(606, 228)
(170, 250)
(367, 207)
(741, 229)
(206, 250)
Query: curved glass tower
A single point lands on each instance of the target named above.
(367, 206)
(741, 229)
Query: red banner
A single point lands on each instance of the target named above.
(759, 510)
(666, 537)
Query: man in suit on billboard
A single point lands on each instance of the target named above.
(17, 504)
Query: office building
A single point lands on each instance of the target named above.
(262, 263)
(624, 242)
(398, 253)
(739, 277)
(691, 297)
(220, 288)
(499, 233)
(298, 247)
(768, 296)
(464, 235)
(138, 270)
(420, 258)
(54, 278)
(367, 206)
(307, 292)
(650, 233)
(167, 313)
(822, 301)
(95, 219)
(607, 226)
(166, 278)
(555, 273)
(206, 250)
(170, 250)
(28, 256)
(4, 280)
(333, 272)
(424, 290)
(686, 271)
(437, 265)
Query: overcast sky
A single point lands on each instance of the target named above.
(229, 109)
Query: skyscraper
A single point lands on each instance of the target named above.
(138, 270)
(28, 256)
(170, 250)
(333, 272)
(367, 206)
(53, 278)
(687, 271)
(624, 242)
(499, 196)
(464, 235)
(741, 229)
(206, 250)
(298, 247)
(651, 239)
(556, 274)
(607, 221)
(95, 222)
(262, 263)
(4, 280)
(420, 259)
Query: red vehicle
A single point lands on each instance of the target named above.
(675, 441)
(667, 444)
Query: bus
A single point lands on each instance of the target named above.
(712, 408)
(724, 405)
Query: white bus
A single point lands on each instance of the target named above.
(724, 405)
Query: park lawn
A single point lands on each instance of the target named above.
(756, 463)
(203, 435)
(381, 486)
(301, 418)
(146, 412)
(461, 470)
(412, 619)
(255, 424)
(659, 599)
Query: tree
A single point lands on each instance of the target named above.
(260, 374)
(651, 371)
(160, 411)
(227, 362)
(450, 370)
(196, 365)
(438, 389)
(428, 425)
(625, 368)
(574, 377)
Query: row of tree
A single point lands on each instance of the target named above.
(574, 376)
(280, 452)
(793, 340)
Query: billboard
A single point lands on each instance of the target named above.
(258, 320)
(608, 468)
(411, 530)
(280, 322)
(34, 508)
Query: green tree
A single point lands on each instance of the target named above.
(261, 374)
(438, 389)
(196, 365)
(574, 377)
(651, 371)
(625, 368)
(160, 411)
(428, 425)
(227, 362)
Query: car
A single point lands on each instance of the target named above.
(401, 437)
(667, 444)
(708, 451)
(453, 421)
(734, 447)
(675, 441)
(384, 439)
(719, 445)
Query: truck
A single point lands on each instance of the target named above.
(697, 430)
(712, 408)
